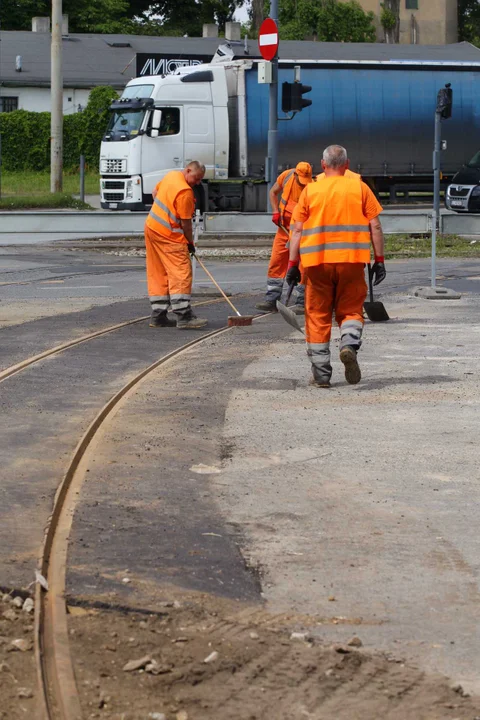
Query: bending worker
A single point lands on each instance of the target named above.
(332, 226)
(283, 199)
(168, 242)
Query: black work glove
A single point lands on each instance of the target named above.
(293, 276)
(191, 248)
(378, 273)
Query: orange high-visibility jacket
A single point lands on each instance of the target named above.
(336, 214)
(291, 192)
(163, 217)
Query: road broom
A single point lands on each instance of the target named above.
(233, 321)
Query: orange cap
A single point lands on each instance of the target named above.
(304, 172)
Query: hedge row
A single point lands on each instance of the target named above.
(26, 135)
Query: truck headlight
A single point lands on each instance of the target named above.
(129, 189)
(476, 191)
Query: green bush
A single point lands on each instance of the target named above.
(26, 135)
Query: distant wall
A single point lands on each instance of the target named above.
(435, 20)
(37, 99)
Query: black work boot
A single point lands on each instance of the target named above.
(267, 306)
(161, 320)
(348, 356)
(191, 322)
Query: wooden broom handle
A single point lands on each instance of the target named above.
(216, 284)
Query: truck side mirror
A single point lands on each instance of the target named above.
(156, 122)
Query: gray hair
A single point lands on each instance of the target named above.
(335, 157)
(196, 166)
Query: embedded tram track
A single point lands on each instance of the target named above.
(33, 359)
(57, 696)
(56, 680)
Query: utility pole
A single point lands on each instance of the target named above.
(56, 91)
(272, 151)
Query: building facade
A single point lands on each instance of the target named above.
(422, 22)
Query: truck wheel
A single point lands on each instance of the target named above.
(201, 196)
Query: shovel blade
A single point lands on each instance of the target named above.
(376, 311)
(290, 317)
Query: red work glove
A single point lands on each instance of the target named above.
(276, 218)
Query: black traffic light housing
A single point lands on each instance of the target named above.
(292, 100)
(445, 101)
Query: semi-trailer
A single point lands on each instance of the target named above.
(378, 101)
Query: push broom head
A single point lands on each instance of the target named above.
(239, 320)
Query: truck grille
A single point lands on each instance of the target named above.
(113, 166)
(114, 184)
(114, 197)
(455, 192)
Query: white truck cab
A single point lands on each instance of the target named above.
(160, 124)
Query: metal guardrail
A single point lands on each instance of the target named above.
(235, 226)
(71, 222)
(393, 222)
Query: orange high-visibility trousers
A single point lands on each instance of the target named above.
(169, 274)
(338, 287)
(277, 268)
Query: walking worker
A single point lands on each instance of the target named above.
(283, 199)
(332, 227)
(168, 242)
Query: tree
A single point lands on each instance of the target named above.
(145, 17)
(390, 20)
(326, 20)
(469, 21)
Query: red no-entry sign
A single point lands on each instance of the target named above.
(268, 39)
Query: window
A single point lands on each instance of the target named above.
(8, 104)
(170, 124)
(411, 4)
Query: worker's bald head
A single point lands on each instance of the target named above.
(194, 173)
(335, 158)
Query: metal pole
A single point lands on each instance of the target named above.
(56, 84)
(272, 151)
(436, 193)
(0, 165)
(82, 178)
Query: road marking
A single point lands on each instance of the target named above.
(77, 287)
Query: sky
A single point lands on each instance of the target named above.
(241, 15)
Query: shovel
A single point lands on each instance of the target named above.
(287, 314)
(374, 308)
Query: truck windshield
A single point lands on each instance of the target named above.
(475, 161)
(125, 124)
(137, 91)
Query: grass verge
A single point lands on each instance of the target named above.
(408, 246)
(47, 201)
(38, 183)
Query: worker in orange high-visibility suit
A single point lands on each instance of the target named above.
(168, 242)
(283, 199)
(332, 227)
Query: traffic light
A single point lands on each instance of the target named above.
(287, 97)
(298, 101)
(292, 100)
(445, 101)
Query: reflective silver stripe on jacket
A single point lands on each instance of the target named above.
(335, 228)
(282, 201)
(335, 246)
(165, 223)
(172, 217)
